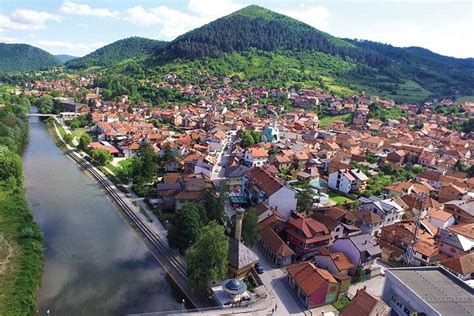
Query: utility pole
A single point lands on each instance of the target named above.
(409, 252)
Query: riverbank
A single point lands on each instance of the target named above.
(21, 241)
(153, 233)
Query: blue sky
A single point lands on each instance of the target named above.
(78, 27)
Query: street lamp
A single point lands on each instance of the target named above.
(182, 305)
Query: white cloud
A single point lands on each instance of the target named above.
(77, 49)
(9, 40)
(27, 20)
(316, 16)
(34, 17)
(86, 10)
(171, 22)
(213, 8)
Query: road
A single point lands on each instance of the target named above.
(273, 279)
(218, 171)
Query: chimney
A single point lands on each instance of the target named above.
(239, 216)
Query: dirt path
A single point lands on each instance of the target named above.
(5, 253)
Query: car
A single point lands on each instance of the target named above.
(259, 268)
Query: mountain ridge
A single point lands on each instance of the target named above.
(115, 52)
(24, 57)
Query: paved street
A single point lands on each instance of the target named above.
(274, 281)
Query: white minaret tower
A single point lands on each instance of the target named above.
(239, 216)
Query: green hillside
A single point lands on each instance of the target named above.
(255, 41)
(115, 52)
(257, 27)
(23, 57)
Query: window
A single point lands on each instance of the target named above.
(332, 288)
(424, 257)
(338, 229)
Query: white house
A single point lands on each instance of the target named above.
(347, 180)
(440, 219)
(388, 209)
(258, 186)
(256, 157)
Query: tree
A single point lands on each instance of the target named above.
(247, 139)
(207, 262)
(84, 142)
(45, 104)
(68, 138)
(215, 205)
(185, 227)
(304, 197)
(10, 165)
(74, 123)
(149, 162)
(250, 232)
(102, 156)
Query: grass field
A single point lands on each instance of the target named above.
(340, 199)
(327, 120)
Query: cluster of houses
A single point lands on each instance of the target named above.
(425, 221)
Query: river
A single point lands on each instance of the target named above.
(95, 263)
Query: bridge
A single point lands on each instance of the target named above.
(40, 114)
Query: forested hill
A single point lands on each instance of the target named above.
(23, 57)
(260, 28)
(64, 57)
(405, 74)
(116, 52)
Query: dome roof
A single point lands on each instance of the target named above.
(234, 286)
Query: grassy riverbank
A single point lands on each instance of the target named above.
(21, 241)
(21, 255)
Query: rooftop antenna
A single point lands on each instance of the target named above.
(409, 252)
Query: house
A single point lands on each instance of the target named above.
(184, 197)
(347, 180)
(440, 219)
(306, 236)
(451, 192)
(461, 266)
(457, 240)
(314, 286)
(408, 187)
(337, 263)
(335, 227)
(463, 211)
(390, 210)
(278, 250)
(366, 304)
(362, 250)
(259, 186)
(397, 239)
(369, 222)
(426, 291)
(432, 177)
(256, 156)
(372, 143)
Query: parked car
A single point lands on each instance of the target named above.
(259, 268)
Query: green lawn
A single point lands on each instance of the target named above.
(341, 303)
(327, 120)
(340, 199)
(61, 129)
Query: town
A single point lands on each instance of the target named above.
(353, 205)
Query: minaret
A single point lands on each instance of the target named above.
(239, 216)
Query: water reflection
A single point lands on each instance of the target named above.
(95, 263)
